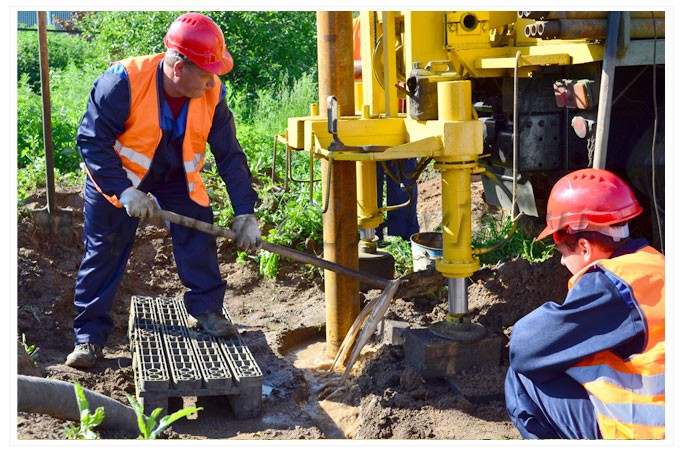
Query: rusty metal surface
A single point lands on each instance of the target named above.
(597, 29)
(340, 234)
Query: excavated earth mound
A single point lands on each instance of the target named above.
(383, 397)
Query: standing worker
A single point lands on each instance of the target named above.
(145, 130)
(593, 367)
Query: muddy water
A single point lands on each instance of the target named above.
(331, 405)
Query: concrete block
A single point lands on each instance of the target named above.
(392, 331)
(435, 357)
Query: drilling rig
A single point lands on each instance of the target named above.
(518, 98)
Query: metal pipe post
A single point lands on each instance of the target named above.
(340, 234)
(606, 88)
(47, 115)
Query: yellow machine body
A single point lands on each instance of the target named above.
(450, 49)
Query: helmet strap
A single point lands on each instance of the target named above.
(616, 232)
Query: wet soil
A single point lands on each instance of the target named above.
(383, 398)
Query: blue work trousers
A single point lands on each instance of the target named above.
(555, 409)
(109, 234)
(400, 222)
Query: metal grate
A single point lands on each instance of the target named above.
(171, 359)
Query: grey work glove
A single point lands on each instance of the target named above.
(247, 234)
(137, 203)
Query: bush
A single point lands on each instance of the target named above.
(265, 45)
(268, 45)
(124, 34)
(62, 50)
(69, 90)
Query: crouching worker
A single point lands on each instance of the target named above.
(145, 130)
(593, 367)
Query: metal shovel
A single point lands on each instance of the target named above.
(50, 217)
(366, 322)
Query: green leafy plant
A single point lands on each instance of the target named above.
(63, 49)
(69, 88)
(31, 350)
(149, 429)
(494, 229)
(402, 252)
(88, 420)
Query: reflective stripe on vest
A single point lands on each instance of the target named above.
(629, 395)
(138, 143)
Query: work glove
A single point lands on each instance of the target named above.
(136, 203)
(247, 234)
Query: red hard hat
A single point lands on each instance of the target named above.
(198, 38)
(586, 197)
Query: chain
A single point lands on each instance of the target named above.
(590, 146)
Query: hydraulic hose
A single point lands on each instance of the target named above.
(58, 399)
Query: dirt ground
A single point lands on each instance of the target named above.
(382, 399)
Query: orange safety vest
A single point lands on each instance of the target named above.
(628, 394)
(138, 143)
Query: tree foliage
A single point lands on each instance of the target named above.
(127, 33)
(265, 45)
(63, 50)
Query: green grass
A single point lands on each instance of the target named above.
(402, 252)
(493, 231)
(287, 217)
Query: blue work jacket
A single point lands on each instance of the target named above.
(594, 317)
(104, 120)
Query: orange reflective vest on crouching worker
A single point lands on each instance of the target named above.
(136, 146)
(628, 394)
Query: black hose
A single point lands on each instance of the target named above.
(58, 399)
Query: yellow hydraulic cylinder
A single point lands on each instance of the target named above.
(455, 102)
(457, 260)
(458, 161)
(369, 215)
(340, 236)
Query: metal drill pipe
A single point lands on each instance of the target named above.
(340, 232)
(299, 256)
(457, 296)
(597, 29)
(552, 15)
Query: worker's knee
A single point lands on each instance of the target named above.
(523, 410)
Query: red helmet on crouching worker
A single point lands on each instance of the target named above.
(589, 199)
(198, 38)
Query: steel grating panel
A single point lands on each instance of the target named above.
(242, 362)
(149, 364)
(214, 367)
(170, 359)
(184, 366)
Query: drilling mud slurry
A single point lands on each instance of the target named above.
(333, 406)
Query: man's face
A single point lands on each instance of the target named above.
(574, 259)
(194, 81)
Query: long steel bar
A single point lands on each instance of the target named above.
(340, 233)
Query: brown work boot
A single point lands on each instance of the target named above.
(84, 355)
(215, 324)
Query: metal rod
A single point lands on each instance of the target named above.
(598, 29)
(606, 88)
(367, 234)
(47, 116)
(457, 296)
(340, 234)
(296, 255)
(389, 56)
(552, 15)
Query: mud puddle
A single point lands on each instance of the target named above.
(334, 407)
